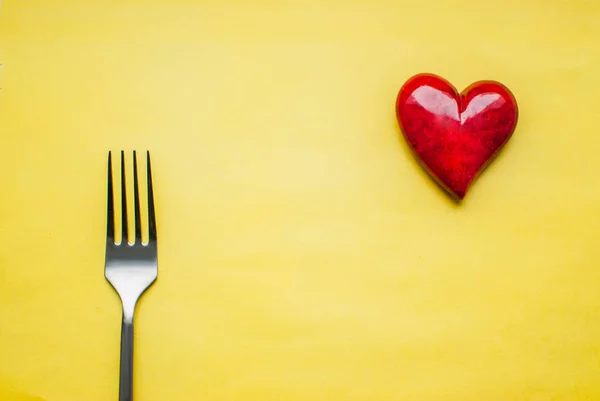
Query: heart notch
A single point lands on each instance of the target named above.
(455, 135)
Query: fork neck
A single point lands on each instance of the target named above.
(128, 311)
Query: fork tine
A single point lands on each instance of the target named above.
(151, 214)
(136, 192)
(124, 228)
(110, 212)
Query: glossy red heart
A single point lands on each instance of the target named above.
(455, 135)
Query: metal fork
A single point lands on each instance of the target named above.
(130, 267)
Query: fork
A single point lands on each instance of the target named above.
(130, 267)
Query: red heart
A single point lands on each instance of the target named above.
(455, 135)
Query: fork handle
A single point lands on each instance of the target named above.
(126, 373)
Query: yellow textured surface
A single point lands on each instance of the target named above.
(303, 253)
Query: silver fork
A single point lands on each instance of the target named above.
(130, 267)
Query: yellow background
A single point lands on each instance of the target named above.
(303, 253)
